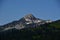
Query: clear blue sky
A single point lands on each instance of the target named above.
(11, 10)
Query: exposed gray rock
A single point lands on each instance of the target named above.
(25, 22)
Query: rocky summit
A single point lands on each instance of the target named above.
(28, 20)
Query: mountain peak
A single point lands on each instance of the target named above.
(27, 21)
(29, 16)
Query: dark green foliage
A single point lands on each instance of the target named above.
(43, 32)
(56, 24)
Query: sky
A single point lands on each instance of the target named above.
(11, 10)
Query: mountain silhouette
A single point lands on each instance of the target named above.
(27, 21)
(31, 28)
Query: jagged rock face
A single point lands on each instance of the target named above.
(27, 21)
(29, 16)
(31, 19)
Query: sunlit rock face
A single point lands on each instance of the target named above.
(31, 19)
(19, 26)
(29, 16)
